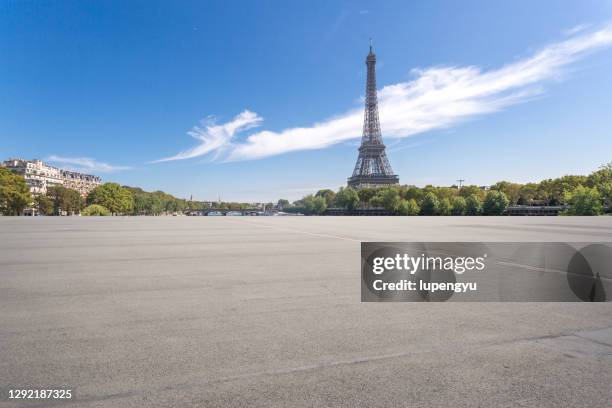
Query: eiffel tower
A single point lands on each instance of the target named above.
(372, 168)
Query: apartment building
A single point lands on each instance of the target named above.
(39, 176)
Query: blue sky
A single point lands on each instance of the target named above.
(262, 100)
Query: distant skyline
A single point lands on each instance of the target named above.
(260, 101)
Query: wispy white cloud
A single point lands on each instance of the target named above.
(215, 137)
(576, 29)
(403, 146)
(85, 164)
(436, 98)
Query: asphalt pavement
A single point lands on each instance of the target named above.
(266, 311)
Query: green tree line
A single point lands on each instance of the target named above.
(106, 199)
(583, 195)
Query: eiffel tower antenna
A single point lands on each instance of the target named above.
(372, 168)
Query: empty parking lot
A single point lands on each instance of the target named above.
(266, 311)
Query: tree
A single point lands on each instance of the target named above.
(459, 205)
(511, 190)
(158, 202)
(445, 192)
(557, 188)
(282, 203)
(44, 205)
(430, 204)
(142, 203)
(495, 203)
(467, 191)
(365, 195)
(472, 205)
(314, 204)
(65, 199)
(602, 181)
(583, 201)
(408, 207)
(445, 207)
(95, 210)
(328, 195)
(174, 204)
(117, 199)
(429, 189)
(390, 199)
(298, 203)
(347, 198)
(376, 201)
(527, 192)
(544, 191)
(14, 193)
(414, 193)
